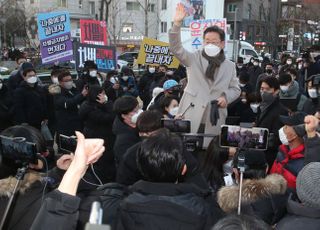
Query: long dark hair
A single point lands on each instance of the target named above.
(212, 164)
(94, 91)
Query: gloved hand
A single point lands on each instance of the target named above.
(214, 112)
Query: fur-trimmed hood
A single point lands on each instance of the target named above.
(252, 190)
(54, 89)
(7, 184)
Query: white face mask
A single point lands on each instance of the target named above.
(289, 62)
(135, 116)
(55, 80)
(152, 70)
(312, 93)
(242, 85)
(113, 80)
(284, 88)
(299, 66)
(125, 78)
(32, 80)
(243, 100)
(254, 107)
(68, 85)
(212, 50)
(174, 111)
(256, 63)
(283, 138)
(106, 97)
(93, 73)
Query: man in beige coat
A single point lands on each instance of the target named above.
(210, 77)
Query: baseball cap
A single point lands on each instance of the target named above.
(169, 84)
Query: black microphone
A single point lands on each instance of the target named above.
(191, 105)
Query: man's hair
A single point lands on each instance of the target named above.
(55, 72)
(285, 78)
(63, 74)
(272, 82)
(242, 222)
(125, 105)
(149, 121)
(163, 66)
(165, 102)
(269, 63)
(26, 71)
(292, 71)
(160, 158)
(215, 29)
(244, 77)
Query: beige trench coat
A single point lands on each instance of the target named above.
(199, 90)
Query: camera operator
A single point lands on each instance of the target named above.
(112, 86)
(262, 196)
(89, 76)
(34, 184)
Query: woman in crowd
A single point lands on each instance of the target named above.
(169, 107)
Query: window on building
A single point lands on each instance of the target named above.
(249, 11)
(163, 27)
(92, 8)
(232, 7)
(80, 4)
(133, 6)
(62, 3)
(151, 7)
(163, 4)
(127, 28)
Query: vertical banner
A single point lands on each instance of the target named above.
(103, 56)
(154, 52)
(194, 9)
(198, 27)
(55, 37)
(93, 32)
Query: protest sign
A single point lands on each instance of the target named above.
(103, 56)
(154, 52)
(93, 32)
(55, 37)
(194, 9)
(198, 27)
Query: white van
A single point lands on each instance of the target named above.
(245, 50)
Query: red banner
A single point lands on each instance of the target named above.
(93, 32)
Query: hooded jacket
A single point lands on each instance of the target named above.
(299, 217)
(265, 198)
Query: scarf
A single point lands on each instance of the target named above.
(214, 63)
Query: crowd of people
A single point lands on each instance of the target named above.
(144, 175)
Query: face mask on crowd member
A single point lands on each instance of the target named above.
(152, 69)
(269, 69)
(213, 43)
(29, 75)
(289, 61)
(126, 107)
(135, 116)
(256, 63)
(269, 89)
(254, 107)
(125, 78)
(285, 81)
(93, 73)
(65, 80)
(312, 93)
(212, 50)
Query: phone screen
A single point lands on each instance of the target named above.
(68, 144)
(177, 126)
(239, 137)
(18, 149)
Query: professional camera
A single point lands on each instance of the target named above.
(18, 150)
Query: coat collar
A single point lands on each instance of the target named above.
(252, 191)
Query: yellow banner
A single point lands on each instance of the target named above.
(154, 52)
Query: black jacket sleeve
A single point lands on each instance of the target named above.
(312, 150)
(58, 211)
(19, 107)
(63, 102)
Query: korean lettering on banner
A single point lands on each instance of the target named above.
(195, 11)
(198, 27)
(55, 37)
(154, 52)
(93, 32)
(103, 56)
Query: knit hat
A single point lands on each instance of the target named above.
(308, 189)
(169, 84)
(26, 65)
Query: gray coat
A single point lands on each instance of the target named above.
(200, 91)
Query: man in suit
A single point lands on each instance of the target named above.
(211, 77)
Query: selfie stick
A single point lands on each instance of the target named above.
(20, 175)
(191, 105)
(241, 167)
(95, 219)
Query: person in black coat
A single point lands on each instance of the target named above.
(144, 86)
(268, 115)
(124, 125)
(5, 107)
(30, 101)
(97, 116)
(66, 105)
(254, 72)
(304, 209)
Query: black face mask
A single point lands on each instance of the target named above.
(269, 71)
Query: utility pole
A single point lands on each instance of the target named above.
(234, 36)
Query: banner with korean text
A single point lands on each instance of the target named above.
(93, 32)
(103, 56)
(55, 37)
(154, 52)
(198, 27)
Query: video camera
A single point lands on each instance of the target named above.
(18, 149)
